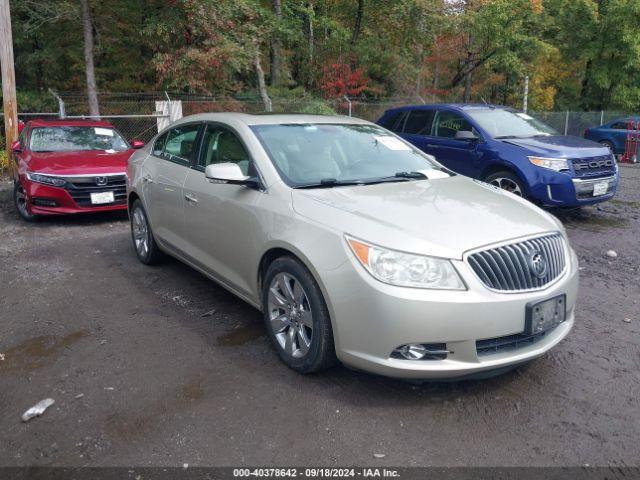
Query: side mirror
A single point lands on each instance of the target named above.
(16, 147)
(466, 135)
(228, 173)
(137, 144)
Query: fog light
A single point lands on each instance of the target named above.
(44, 202)
(421, 351)
(413, 351)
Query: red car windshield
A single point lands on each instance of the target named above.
(63, 139)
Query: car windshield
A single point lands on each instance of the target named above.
(63, 139)
(334, 154)
(501, 123)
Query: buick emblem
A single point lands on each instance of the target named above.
(101, 181)
(537, 264)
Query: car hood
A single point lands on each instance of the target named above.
(559, 145)
(444, 217)
(91, 162)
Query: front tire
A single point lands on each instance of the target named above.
(21, 203)
(609, 145)
(296, 317)
(146, 248)
(507, 181)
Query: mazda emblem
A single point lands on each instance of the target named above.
(537, 264)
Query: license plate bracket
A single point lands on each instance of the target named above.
(98, 198)
(545, 315)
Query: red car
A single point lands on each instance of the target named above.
(70, 166)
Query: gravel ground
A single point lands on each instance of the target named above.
(160, 366)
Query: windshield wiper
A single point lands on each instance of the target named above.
(332, 182)
(418, 175)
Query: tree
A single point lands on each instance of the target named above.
(87, 26)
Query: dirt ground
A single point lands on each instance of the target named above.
(160, 366)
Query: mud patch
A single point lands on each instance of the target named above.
(35, 353)
(241, 335)
(595, 222)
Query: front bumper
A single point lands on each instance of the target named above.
(49, 200)
(371, 319)
(564, 190)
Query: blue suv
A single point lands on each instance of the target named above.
(511, 150)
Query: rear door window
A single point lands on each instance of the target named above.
(419, 122)
(619, 126)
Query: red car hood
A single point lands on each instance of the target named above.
(91, 162)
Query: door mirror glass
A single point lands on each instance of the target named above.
(137, 144)
(16, 147)
(226, 172)
(466, 135)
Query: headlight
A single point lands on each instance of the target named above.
(556, 164)
(47, 180)
(405, 269)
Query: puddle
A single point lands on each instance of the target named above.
(32, 353)
(242, 335)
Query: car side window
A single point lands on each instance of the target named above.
(180, 143)
(619, 126)
(22, 138)
(158, 146)
(220, 145)
(394, 121)
(419, 122)
(448, 123)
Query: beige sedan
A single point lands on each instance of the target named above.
(355, 245)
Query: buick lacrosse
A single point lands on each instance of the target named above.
(354, 244)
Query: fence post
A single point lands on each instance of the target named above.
(61, 112)
(525, 100)
(169, 105)
(601, 117)
(566, 123)
(349, 102)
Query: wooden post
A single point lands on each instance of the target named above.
(8, 81)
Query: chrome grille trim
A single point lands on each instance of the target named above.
(505, 268)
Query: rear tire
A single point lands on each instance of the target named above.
(144, 243)
(507, 181)
(22, 203)
(296, 317)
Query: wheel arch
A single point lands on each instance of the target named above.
(278, 250)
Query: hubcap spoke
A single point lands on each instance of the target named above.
(289, 345)
(285, 287)
(303, 341)
(280, 323)
(306, 318)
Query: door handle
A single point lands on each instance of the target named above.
(431, 145)
(190, 198)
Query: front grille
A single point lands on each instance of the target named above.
(600, 166)
(81, 188)
(518, 266)
(491, 346)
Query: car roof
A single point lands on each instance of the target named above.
(456, 106)
(69, 123)
(271, 118)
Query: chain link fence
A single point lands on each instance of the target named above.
(140, 115)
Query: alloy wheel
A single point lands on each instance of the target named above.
(140, 233)
(21, 201)
(290, 314)
(508, 185)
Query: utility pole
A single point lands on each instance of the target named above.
(8, 80)
(525, 101)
